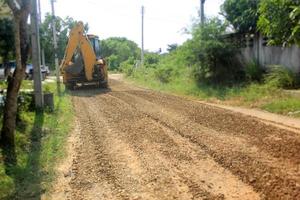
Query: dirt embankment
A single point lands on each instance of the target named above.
(141, 144)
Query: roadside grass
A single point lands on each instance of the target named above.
(40, 143)
(26, 84)
(286, 106)
(253, 95)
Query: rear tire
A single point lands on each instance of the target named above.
(103, 84)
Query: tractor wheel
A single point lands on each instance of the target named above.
(103, 84)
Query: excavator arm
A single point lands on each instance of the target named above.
(78, 40)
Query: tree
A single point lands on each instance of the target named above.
(118, 50)
(242, 14)
(280, 21)
(20, 10)
(62, 27)
(172, 47)
(212, 57)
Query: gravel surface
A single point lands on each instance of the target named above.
(141, 144)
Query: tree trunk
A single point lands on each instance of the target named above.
(14, 83)
(10, 108)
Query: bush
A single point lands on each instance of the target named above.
(127, 67)
(151, 60)
(254, 72)
(211, 55)
(281, 77)
(164, 74)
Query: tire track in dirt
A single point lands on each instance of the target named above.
(167, 143)
(140, 144)
(267, 174)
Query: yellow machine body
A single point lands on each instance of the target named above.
(90, 67)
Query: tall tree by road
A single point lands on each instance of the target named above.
(20, 10)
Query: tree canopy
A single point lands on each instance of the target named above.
(63, 27)
(242, 14)
(118, 50)
(280, 21)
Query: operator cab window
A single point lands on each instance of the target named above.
(97, 48)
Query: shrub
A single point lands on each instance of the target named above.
(253, 71)
(127, 67)
(211, 55)
(164, 74)
(151, 59)
(281, 77)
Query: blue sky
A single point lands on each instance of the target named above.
(164, 19)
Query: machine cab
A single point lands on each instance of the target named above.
(95, 42)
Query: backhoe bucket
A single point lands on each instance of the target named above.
(77, 67)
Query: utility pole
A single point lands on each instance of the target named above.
(55, 44)
(142, 50)
(202, 15)
(40, 22)
(36, 60)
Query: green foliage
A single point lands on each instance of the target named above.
(172, 47)
(40, 143)
(117, 50)
(242, 14)
(127, 67)
(6, 38)
(164, 73)
(279, 20)
(4, 9)
(281, 77)
(290, 106)
(151, 59)
(295, 16)
(213, 57)
(253, 71)
(63, 27)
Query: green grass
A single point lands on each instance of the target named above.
(253, 95)
(40, 141)
(26, 84)
(287, 106)
(3, 84)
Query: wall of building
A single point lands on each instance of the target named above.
(257, 50)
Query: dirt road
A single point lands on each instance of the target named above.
(140, 144)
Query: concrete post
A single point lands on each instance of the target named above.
(36, 62)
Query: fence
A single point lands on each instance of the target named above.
(254, 47)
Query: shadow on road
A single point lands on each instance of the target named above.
(88, 91)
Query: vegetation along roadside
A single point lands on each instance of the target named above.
(40, 139)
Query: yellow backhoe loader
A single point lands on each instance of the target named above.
(82, 63)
